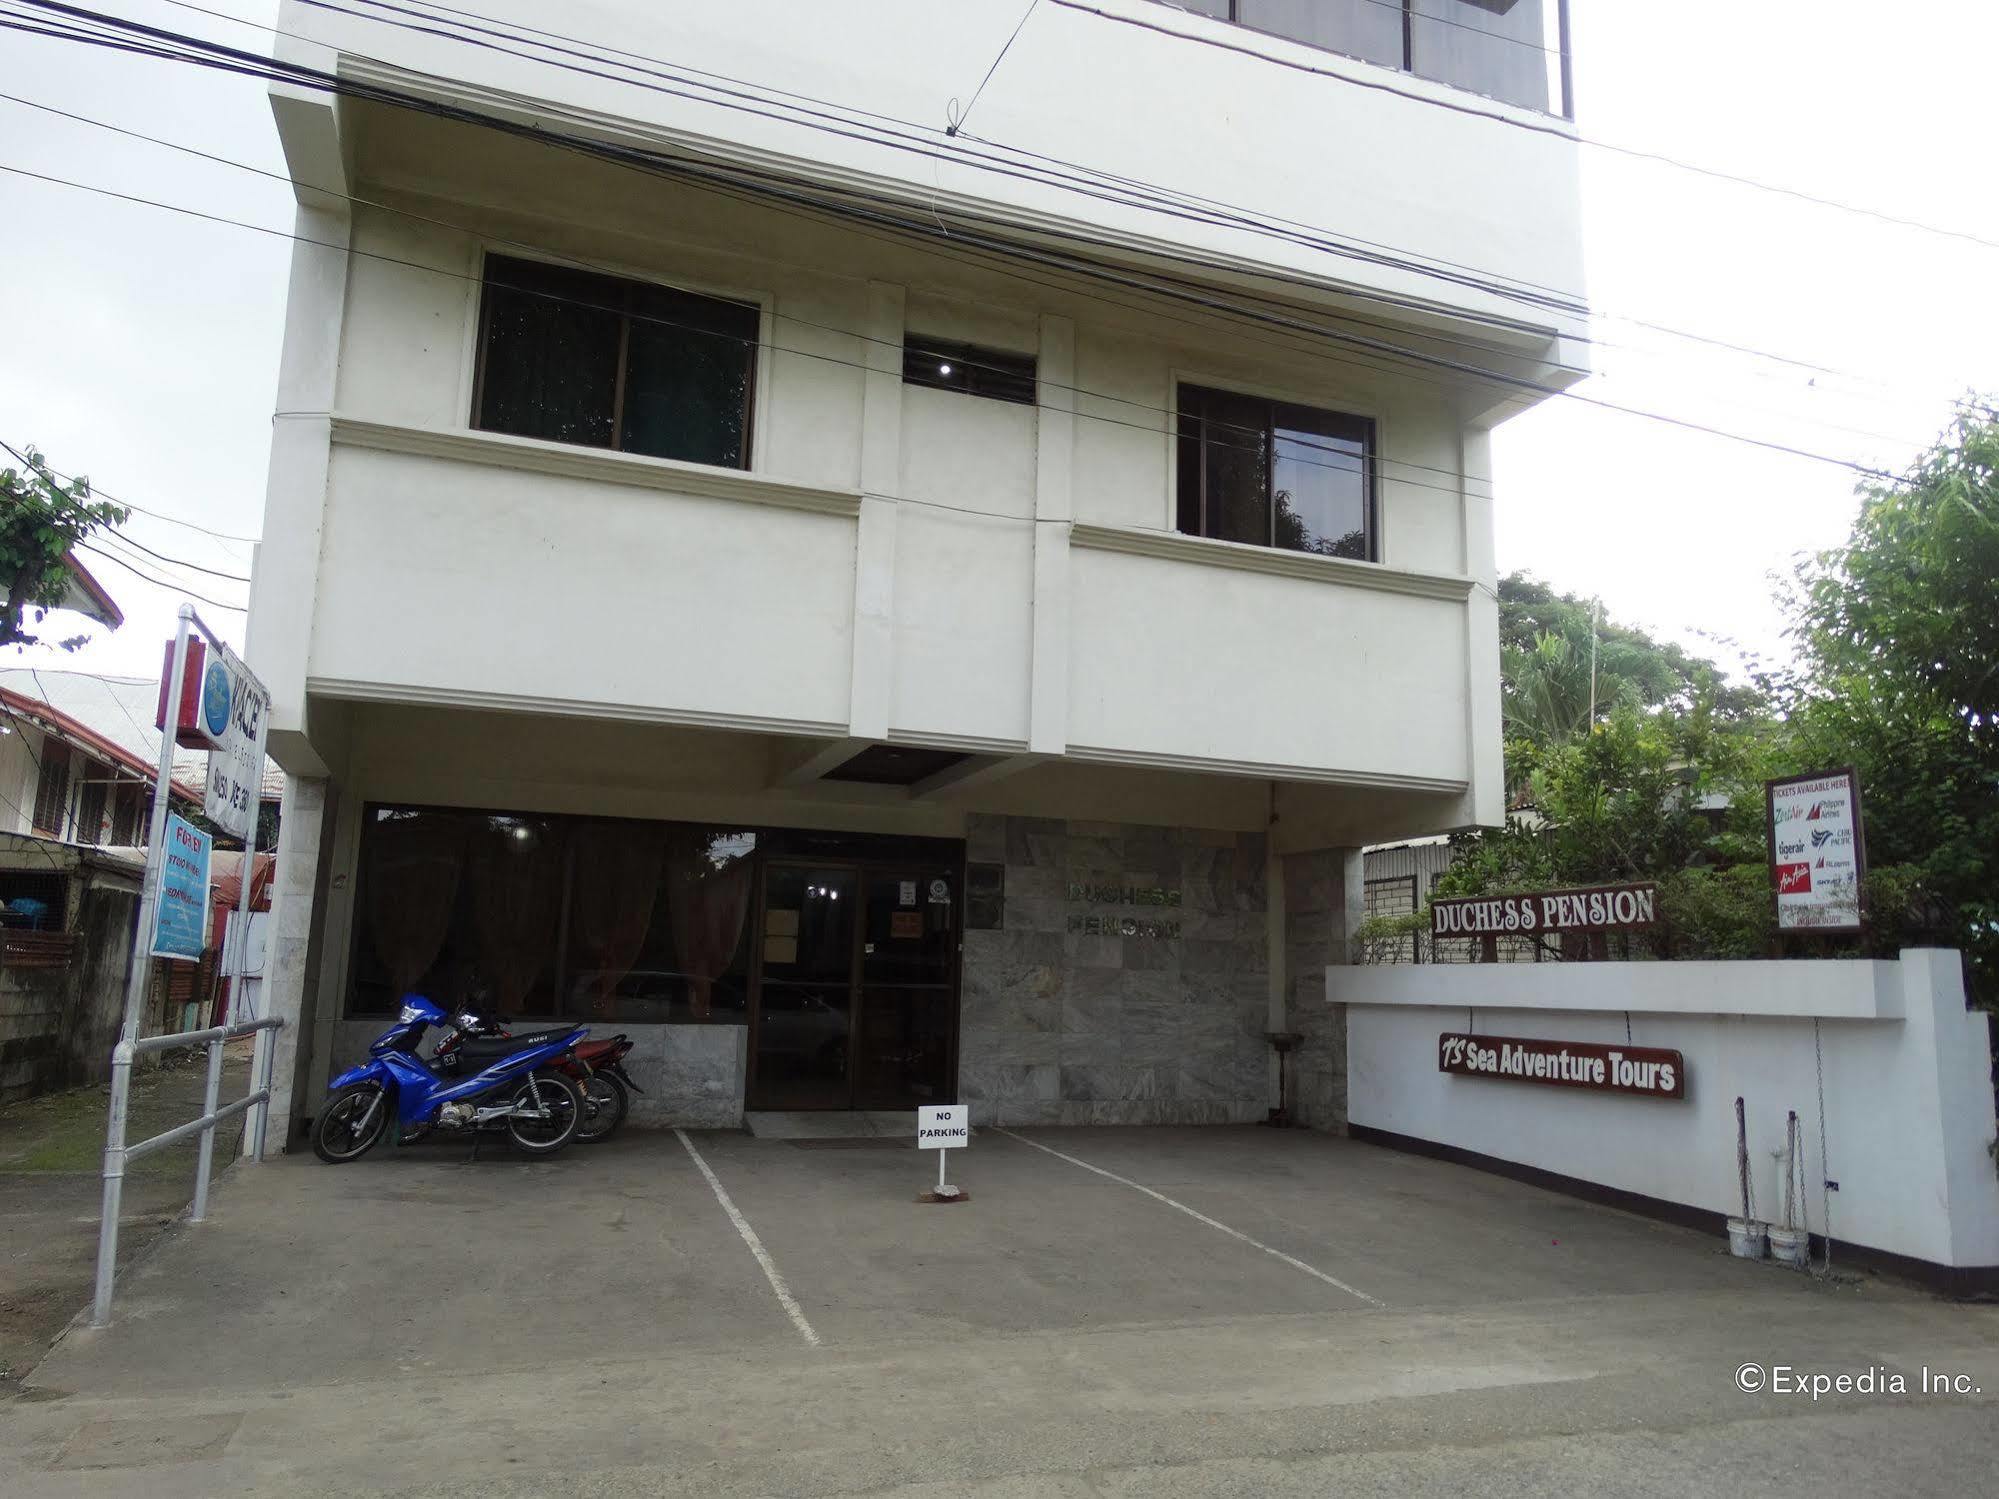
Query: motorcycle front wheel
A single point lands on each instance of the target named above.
(543, 1113)
(605, 1104)
(352, 1123)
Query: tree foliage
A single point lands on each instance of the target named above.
(41, 518)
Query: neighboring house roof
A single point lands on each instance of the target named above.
(88, 597)
(110, 716)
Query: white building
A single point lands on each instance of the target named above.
(886, 615)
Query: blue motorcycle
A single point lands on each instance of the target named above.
(515, 1088)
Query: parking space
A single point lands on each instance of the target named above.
(730, 1314)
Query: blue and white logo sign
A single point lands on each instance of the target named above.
(216, 695)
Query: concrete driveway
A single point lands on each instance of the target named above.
(1158, 1311)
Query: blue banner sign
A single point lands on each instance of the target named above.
(182, 921)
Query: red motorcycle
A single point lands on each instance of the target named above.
(597, 1067)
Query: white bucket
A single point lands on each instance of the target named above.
(1748, 1238)
(1790, 1246)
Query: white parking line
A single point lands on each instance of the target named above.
(771, 1272)
(1200, 1217)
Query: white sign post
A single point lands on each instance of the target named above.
(942, 1128)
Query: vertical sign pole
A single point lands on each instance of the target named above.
(135, 987)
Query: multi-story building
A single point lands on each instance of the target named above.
(889, 586)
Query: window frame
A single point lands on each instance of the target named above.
(1562, 108)
(982, 358)
(53, 752)
(472, 360)
(1352, 410)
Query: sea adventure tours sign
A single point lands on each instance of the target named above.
(1601, 908)
(1646, 1071)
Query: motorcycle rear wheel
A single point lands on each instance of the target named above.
(564, 1104)
(606, 1101)
(345, 1129)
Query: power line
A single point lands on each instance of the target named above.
(1563, 132)
(1156, 199)
(764, 185)
(84, 546)
(958, 122)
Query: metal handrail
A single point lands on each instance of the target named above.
(117, 1152)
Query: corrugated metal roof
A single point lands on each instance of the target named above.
(122, 710)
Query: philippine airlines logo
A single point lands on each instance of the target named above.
(1813, 815)
(1794, 879)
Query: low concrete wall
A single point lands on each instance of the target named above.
(1908, 1119)
(690, 1075)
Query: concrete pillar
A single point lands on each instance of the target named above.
(305, 844)
(1324, 900)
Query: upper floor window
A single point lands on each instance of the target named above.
(976, 371)
(1510, 49)
(52, 788)
(574, 356)
(1270, 473)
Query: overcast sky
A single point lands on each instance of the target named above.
(142, 348)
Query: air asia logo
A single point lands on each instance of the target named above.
(1835, 836)
(1794, 879)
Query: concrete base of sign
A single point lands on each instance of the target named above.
(944, 1194)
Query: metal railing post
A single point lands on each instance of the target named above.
(205, 1160)
(262, 1056)
(114, 1183)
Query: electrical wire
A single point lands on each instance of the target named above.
(84, 546)
(521, 32)
(1562, 131)
(681, 170)
(958, 119)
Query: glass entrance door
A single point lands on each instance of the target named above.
(909, 994)
(857, 998)
(805, 992)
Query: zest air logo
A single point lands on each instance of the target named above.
(1794, 879)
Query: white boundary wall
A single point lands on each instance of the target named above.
(1908, 1115)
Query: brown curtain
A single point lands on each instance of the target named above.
(708, 899)
(414, 865)
(611, 904)
(516, 870)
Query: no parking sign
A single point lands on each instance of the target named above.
(942, 1127)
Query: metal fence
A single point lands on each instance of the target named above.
(117, 1153)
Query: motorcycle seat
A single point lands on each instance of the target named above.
(475, 1049)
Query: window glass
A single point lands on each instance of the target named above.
(550, 360)
(969, 368)
(1495, 47)
(1367, 29)
(526, 915)
(1268, 473)
(689, 367)
(573, 356)
(1319, 482)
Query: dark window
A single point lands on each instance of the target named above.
(90, 803)
(1270, 473)
(1503, 48)
(528, 914)
(895, 765)
(52, 788)
(573, 356)
(125, 801)
(975, 371)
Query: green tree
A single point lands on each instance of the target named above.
(1899, 637)
(41, 518)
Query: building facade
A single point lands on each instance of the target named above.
(889, 604)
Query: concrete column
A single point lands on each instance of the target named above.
(1485, 758)
(1054, 479)
(1324, 900)
(298, 910)
(872, 700)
